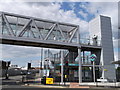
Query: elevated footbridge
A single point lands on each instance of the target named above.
(30, 31)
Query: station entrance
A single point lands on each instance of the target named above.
(71, 66)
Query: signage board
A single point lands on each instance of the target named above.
(70, 64)
(105, 70)
(93, 57)
(49, 80)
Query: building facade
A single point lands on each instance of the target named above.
(101, 27)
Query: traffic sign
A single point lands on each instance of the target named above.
(93, 57)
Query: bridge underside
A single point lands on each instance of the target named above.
(90, 48)
(38, 43)
(46, 44)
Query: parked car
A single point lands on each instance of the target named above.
(102, 80)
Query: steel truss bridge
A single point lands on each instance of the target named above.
(30, 31)
(21, 30)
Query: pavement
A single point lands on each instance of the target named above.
(110, 84)
(15, 82)
(46, 86)
(42, 87)
(76, 85)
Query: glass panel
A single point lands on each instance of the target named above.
(5, 29)
(44, 32)
(13, 27)
(26, 34)
(66, 35)
(58, 36)
(11, 19)
(52, 36)
(23, 21)
(19, 28)
(35, 32)
(74, 40)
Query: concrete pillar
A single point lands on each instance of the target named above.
(61, 67)
(80, 65)
(1, 23)
(40, 72)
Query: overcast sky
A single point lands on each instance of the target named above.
(79, 13)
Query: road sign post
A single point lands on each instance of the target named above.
(92, 58)
(94, 70)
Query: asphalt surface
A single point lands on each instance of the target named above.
(14, 83)
(19, 87)
(13, 80)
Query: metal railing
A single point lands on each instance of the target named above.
(87, 41)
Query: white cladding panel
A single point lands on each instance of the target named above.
(0, 24)
(119, 16)
(94, 28)
(107, 43)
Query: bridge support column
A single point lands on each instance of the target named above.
(80, 65)
(62, 67)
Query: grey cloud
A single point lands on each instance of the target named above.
(11, 51)
(38, 3)
(19, 51)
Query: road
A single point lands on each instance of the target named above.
(13, 80)
(14, 83)
(19, 87)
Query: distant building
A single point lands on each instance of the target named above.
(14, 66)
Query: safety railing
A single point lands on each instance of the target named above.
(92, 42)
